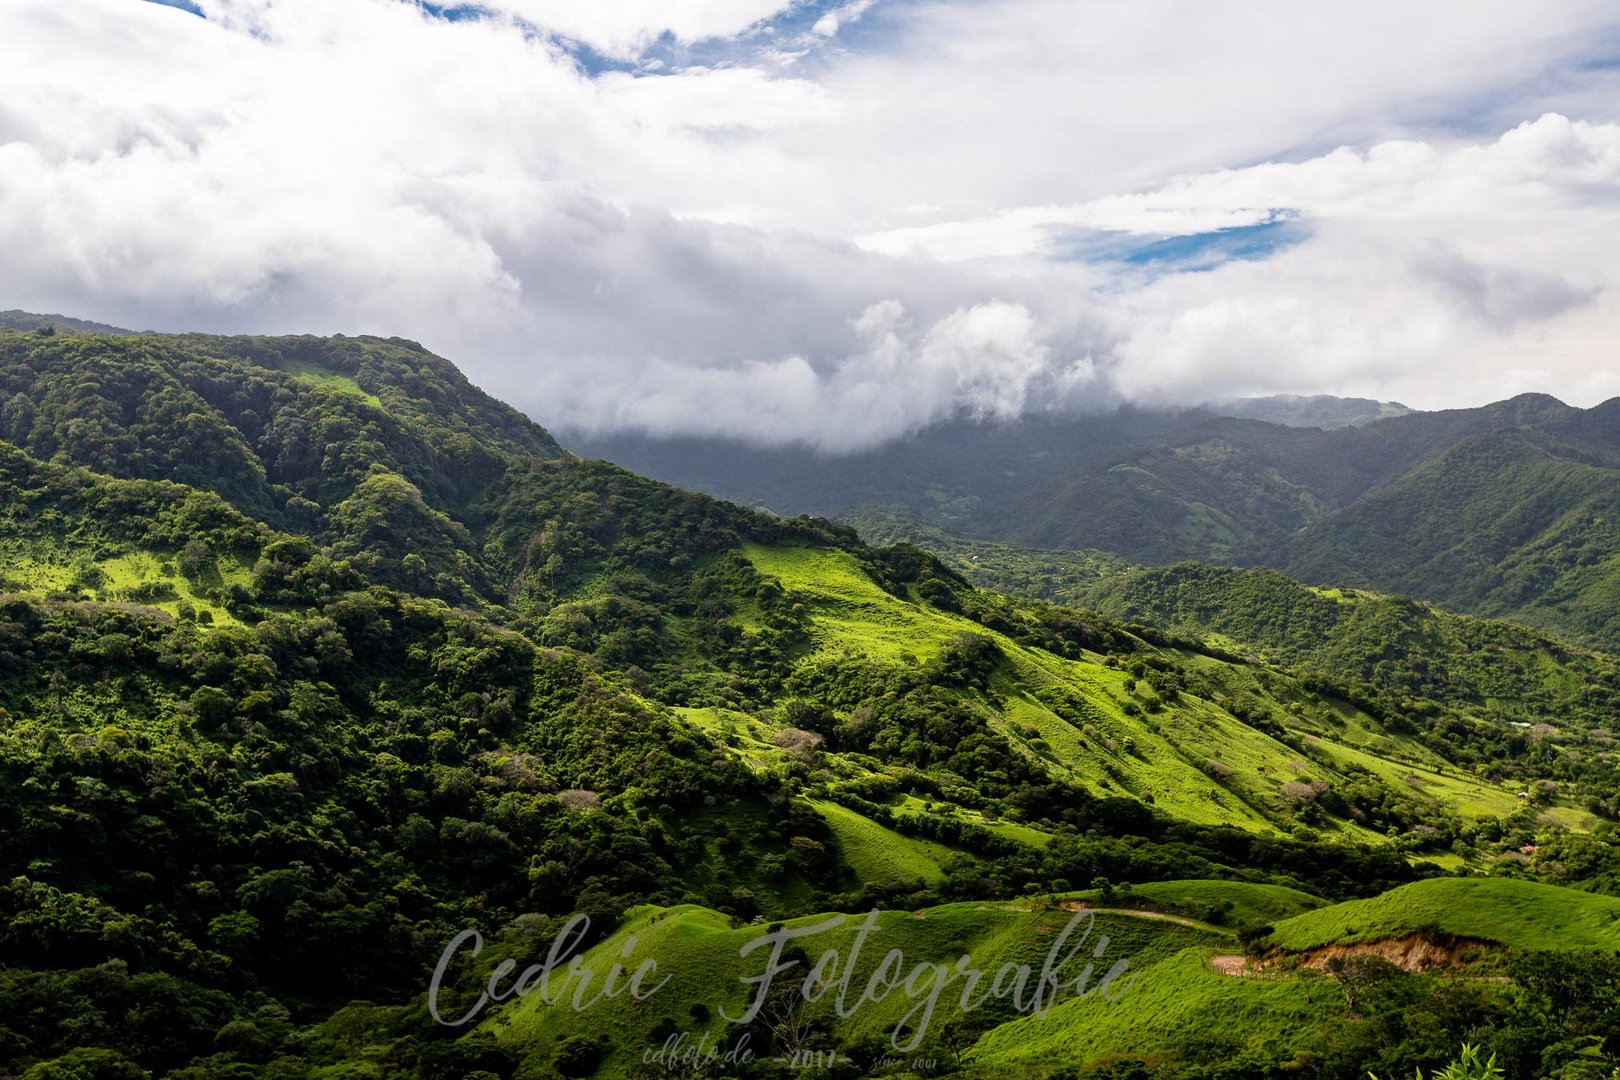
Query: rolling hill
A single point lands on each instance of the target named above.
(312, 656)
(1171, 1005)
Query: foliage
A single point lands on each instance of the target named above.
(312, 656)
(1468, 1066)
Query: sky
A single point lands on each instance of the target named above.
(834, 222)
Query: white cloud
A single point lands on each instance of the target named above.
(680, 252)
(986, 361)
(1429, 271)
(832, 21)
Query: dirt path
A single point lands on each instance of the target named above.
(1231, 965)
(1156, 916)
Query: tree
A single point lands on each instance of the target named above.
(195, 560)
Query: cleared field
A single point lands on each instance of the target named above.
(880, 855)
(143, 577)
(1523, 914)
(332, 379)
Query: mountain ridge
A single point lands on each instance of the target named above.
(1157, 488)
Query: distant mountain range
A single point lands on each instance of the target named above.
(1314, 410)
(1509, 510)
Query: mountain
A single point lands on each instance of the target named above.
(1315, 410)
(27, 320)
(1520, 524)
(1504, 510)
(1390, 654)
(313, 656)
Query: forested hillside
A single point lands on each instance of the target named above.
(1505, 511)
(312, 655)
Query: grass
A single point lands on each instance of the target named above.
(1175, 1002)
(1523, 914)
(881, 856)
(748, 738)
(27, 570)
(699, 951)
(126, 574)
(334, 380)
(850, 611)
(1191, 758)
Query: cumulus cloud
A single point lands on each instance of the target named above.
(846, 247)
(1428, 268)
(986, 362)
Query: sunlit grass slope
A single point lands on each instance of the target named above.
(1176, 1001)
(1092, 724)
(137, 576)
(881, 856)
(699, 952)
(1523, 914)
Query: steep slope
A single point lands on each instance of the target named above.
(1502, 524)
(1157, 725)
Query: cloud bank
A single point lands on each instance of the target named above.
(836, 223)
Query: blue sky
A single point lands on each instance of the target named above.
(1187, 253)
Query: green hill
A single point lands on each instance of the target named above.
(1521, 914)
(312, 656)
(1479, 692)
(1505, 524)
(1169, 1007)
(1505, 511)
